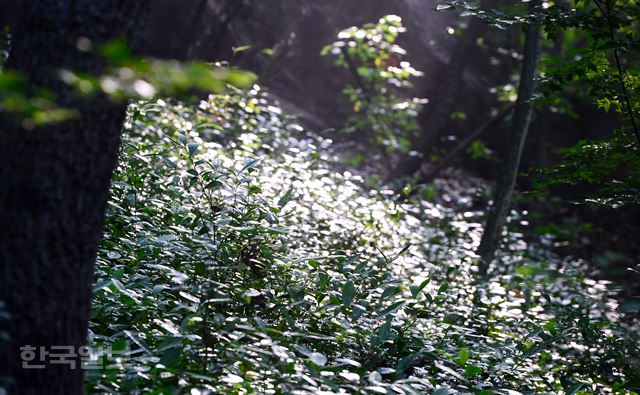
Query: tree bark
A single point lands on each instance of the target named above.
(517, 137)
(54, 185)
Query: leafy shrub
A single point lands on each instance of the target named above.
(596, 63)
(381, 110)
(237, 260)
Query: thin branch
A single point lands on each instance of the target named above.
(623, 87)
(625, 94)
(600, 7)
(354, 70)
(502, 114)
(451, 155)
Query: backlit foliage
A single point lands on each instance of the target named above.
(381, 110)
(236, 260)
(598, 63)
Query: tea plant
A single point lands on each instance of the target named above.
(237, 260)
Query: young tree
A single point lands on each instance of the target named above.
(517, 136)
(600, 62)
(54, 186)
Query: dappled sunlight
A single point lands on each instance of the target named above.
(341, 275)
(302, 197)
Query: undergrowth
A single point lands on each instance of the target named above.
(236, 260)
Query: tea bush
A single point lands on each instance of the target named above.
(237, 259)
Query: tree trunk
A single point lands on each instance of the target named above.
(54, 184)
(519, 128)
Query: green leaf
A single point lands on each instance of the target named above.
(200, 268)
(361, 266)
(375, 377)
(385, 330)
(348, 361)
(113, 255)
(351, 260)
(101, 285)
(348, 293)
(463, 357)
(530, 352)
(528, 270)
(550, 326)
(357, 311)
(215, 184)
(391, 309)
(117, 52)
(193, 148)
(390, 291)
(441, 391)
(232, 379)
(241, 48)
(240, 78)
(286, 198)
(472, 371)
(444, 7)
(318, 358)
(415, 290)
(250, 164)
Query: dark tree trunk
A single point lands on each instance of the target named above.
(54, 184)
(517, 136)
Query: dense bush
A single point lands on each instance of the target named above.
(237, 260)
(381, 110)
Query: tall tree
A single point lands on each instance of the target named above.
(516, 139)
(54, 187)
